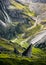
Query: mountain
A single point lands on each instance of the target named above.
(39, 40)
(25, 2)
(12, 17)
(40, 1)
(28, 1)
(7, 46)
(38, 6)
(16, 19)
(7, 55)
(22, 32)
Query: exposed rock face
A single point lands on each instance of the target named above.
(40, 1)
(38, 6)
(39, 40)
(22, 1)
(41, 18)
(28, 51)
(41, 45)
(2, 16)
(7, 30)
(43, 40)
(16, 15)
(28, 1)
(25, 2)
(3, 11)
(6, 2)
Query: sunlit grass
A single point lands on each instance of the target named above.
(17, 5)
(38, 55)
(33, 31)
(4, 56)
(22, 41)
(28, 12)
(6, 45)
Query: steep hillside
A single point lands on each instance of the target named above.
(40, 1)
(38, 6)
(21, 21)
(7, 46)
(14, 15)
(39, 58)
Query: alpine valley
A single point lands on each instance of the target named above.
(22, 32)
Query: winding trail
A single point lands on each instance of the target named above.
(34, 18)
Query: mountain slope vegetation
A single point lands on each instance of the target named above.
(18, 26)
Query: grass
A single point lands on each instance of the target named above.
(33, 31)
(18, 40)
(28, 12)
(6, 45)
(38, 58)
(38, 52)
(17, 5)
(9, 46)
(29, 33)
(38, 55)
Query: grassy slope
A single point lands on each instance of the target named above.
(33, 31)
(38, 58)
(38, 55)
(6, 44)
(19, 6)
(9, 45)
(30, 33)
(26, 13)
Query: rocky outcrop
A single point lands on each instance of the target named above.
(25, 2)
(7, 16)
(39, 40)
(41, 45)
(6, 2)
(40, 1)
(17, 15)
(42, 18)
(38, 6)
(28, 51)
